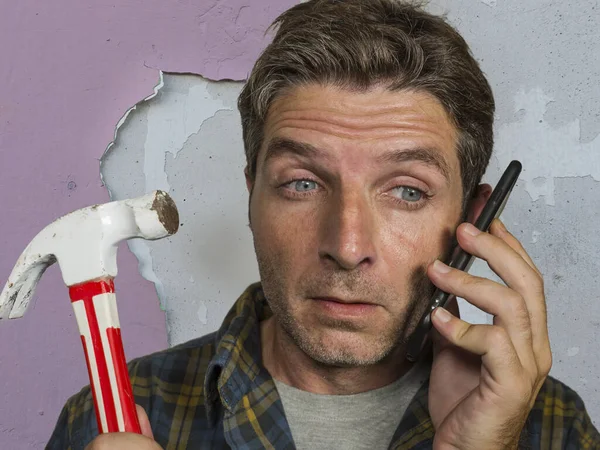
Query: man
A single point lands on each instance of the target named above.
(367, 127)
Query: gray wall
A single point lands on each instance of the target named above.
(541, 59)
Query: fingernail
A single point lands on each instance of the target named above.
(442, 315)
(440, 267)
(471, 229)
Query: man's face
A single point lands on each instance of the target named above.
(355, 194)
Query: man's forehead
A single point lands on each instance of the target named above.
(378, 100)
(394, 121)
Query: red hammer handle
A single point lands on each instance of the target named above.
(95, 308)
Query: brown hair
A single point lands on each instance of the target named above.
(356, 44)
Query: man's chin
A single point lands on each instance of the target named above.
(346, 349)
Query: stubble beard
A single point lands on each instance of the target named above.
(388, 341)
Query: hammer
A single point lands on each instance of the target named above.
(84, 243)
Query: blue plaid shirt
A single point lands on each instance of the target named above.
(214, 393)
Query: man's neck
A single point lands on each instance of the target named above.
(287, 363)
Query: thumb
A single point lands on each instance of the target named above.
(144, 422)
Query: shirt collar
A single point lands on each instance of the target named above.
(237, 362)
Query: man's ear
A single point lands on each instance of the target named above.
(478, 201)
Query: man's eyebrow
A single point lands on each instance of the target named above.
(280, 146)
(431, 157)
(428, 156)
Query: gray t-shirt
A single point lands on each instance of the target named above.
(349, 422)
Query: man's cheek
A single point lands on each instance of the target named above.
(423, 243)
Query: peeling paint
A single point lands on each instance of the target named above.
(145, 265)
(187, 140)
(169, 128)
(491, 3)
(138, 246)
(573, 351)
(534, 236)
(547, 153)
(121, 122)
(181, 124)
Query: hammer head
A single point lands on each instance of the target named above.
(84, 243)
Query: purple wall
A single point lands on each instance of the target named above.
(69, 70)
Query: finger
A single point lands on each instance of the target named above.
(502, 259)
(122, 441)
(498, 228)
(506, 305)
(517, 274)
(506, 257)
(144, 422)
(491, 342)
(538, 310)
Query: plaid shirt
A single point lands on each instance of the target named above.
(214, 393)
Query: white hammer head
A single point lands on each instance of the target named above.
(84, 243)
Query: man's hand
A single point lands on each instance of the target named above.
(127, 441)
(485, 378)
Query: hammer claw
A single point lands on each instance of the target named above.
(26, 292)
(7, 304)
(17, 294)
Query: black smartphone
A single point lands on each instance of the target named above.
(462, 260)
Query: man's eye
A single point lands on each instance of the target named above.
(408, 194)
(303, 185)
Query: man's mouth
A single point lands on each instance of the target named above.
(341, 307)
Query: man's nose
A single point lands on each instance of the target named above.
(348, 237)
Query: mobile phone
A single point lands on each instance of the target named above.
(462, 260)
